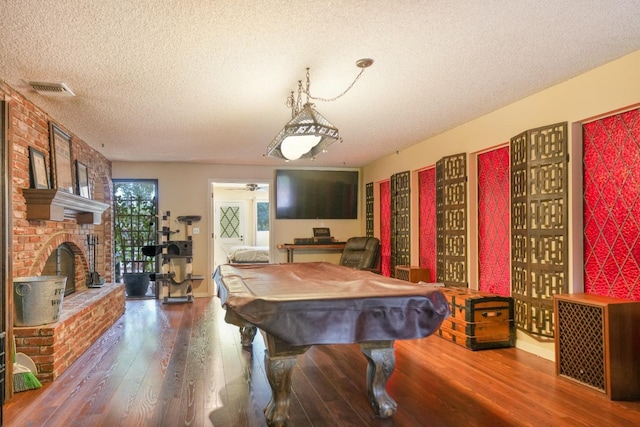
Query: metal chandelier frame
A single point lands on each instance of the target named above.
(308, 133)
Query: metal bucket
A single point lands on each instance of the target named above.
(37, 299)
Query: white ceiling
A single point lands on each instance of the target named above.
(206, 81)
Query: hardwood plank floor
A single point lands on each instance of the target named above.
(182, 365)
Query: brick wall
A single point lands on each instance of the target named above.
(34, 241)
(89, 313)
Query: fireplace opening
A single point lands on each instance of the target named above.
(62, 262)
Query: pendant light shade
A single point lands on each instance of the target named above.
(308, 132)
(306, 135)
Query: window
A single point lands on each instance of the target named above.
(262, 217)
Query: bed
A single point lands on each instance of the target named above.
(248, 255)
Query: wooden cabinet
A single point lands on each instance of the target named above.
(412, 274)
(597, 343)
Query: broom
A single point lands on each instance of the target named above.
(23, 372)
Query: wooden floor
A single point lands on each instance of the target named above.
(182, 365)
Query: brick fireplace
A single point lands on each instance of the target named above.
(41, 222)
(84, 317)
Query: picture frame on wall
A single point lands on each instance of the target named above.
(38, 169)
(82, 179)
(61, 175)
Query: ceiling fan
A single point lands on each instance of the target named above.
(237, 186)
(252, 187)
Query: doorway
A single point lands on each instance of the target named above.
(136, 226)
(240, 217)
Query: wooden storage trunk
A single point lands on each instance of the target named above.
(412, 274)
(478, 320)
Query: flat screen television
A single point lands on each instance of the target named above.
(316, 194)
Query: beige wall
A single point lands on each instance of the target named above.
(611, 87)
(614, 86)
(185, 189)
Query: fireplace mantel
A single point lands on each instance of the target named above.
(58, 205)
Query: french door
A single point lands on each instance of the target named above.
(230, 228)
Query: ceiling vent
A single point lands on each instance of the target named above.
(51, 88)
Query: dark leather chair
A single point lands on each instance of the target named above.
(362, 253)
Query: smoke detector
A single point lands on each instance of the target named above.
(45, 88)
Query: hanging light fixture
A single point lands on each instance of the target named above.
(308, 132)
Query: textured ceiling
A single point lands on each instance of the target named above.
(206, 81)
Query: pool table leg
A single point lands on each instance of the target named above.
(247, 330)
(247, 333)
(279, 371)
(381, 363)
(279, 360)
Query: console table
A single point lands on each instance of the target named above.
(325, 247)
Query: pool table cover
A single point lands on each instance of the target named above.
(323, 303)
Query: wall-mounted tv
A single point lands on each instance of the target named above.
(316, 194)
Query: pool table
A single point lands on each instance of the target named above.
(297, 305)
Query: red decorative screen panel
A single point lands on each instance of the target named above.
(385, 228)
(427, 219)
(493, 222)
(611, 184)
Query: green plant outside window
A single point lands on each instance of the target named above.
(135, 224)
(263, 216)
